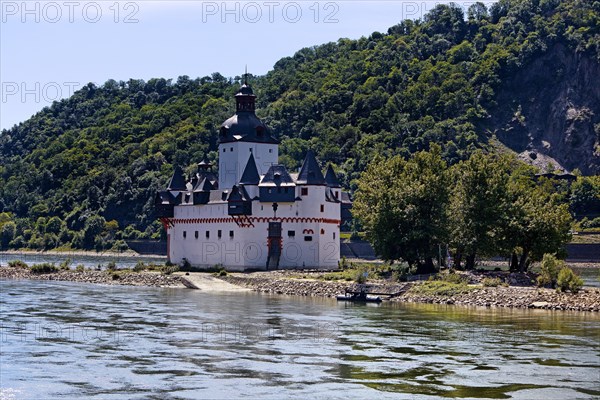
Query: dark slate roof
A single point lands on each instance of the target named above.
(250, 175)
(331, 178)
(245, 126)
(177, 180)
(238, 193)
(277, 175)
(310, 172)
(330, 196)
(204, 186)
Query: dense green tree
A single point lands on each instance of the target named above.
(479, 206)
(401, 204)
(538, 221)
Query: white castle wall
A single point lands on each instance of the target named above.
(248, 246)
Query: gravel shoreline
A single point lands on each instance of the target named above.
(278, 282)
(97, 277)
(284, 283)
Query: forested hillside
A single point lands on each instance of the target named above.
(83, 171)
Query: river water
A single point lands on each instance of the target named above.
(72, 340)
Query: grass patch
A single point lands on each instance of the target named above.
(493, 282)
(17, 264)
(44, 268)
(440, 288)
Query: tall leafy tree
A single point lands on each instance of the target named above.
(478, 207)
(538, 221)
(402, 206)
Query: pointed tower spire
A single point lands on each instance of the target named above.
(204, 186)
(250, 175)
(177, 181)
(331, 178)
(310, 172)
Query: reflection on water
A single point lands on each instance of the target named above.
(63, 340)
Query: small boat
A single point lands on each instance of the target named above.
(359, 298)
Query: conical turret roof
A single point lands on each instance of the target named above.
(310, 172)
(177, 181)
(331, 178)
(250, 175)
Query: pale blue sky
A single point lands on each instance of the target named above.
(49, 48)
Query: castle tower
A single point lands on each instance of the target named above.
(241, 135)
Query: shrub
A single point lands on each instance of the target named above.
(491, 282)
(65, 264)
(115, 276)
(186, 265)
(17, 264)
(568, 280)
(361, 276)
(112, 266)
(549, 270)
(400, 272)
(45, 268)
(169, 269)
(139, 266)
(451, 277)
(80, 268)
(222, 273)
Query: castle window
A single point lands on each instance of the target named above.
(219, 234)
(224, 149)
(270, 150)
(308, 238)
(208, 234)
(322, 208)
(322, 231)
(231, 234)
(334, 235)
(184, 234)
(196, 234)
(231, 149)
(292, 233)
(304, 192)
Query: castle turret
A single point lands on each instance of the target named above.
(241, 135)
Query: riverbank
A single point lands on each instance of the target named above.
(97, 277)
(312, 284)
(288, 283)
(90, 253)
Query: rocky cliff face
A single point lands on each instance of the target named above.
(549, 111)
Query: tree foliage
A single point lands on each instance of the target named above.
(496, 207)
(105, 150)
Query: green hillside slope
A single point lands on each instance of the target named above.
(83, 171)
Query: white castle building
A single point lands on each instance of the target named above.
(254, 215)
